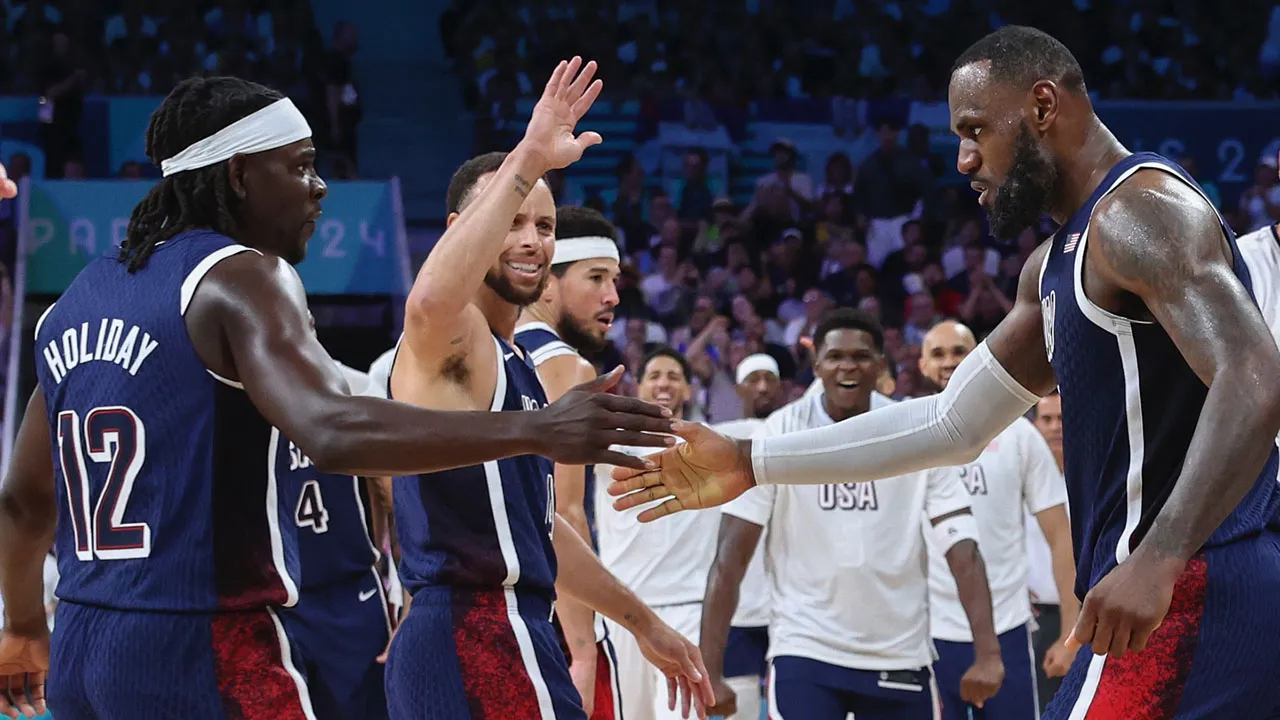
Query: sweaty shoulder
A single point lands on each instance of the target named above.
(1153, 228)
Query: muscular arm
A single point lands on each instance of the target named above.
(734, 548)
(1157, 239)
(28, 516)
(970, 573)
(440, 320)
(256, 307)
(584, 579)
(994, 385)
(1057, 531)
(558, 375)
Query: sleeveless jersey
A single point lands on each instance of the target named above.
(168, 496)
(544, 343)
(1130, 403)
(483, 527)
(332, 518)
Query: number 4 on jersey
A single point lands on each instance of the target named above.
(311, 511)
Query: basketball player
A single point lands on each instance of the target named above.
(745, 661)
(480, 545)
(173, 372)
(1014, 475)
(1260, 251)
(1139, 310)
(665, 566)
(577, 305)
(847, 563)
(340, 623)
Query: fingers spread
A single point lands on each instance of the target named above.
(634, 406)
(570, 72)
(580, 83)
(641, 496)
(584, 103)
(553, 83)
(622, 460)
(660, 511)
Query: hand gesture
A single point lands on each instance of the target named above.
(1058, 659)
(982, 680)
(23, 663)
(680, 660)
(1126, 606)
(567, 97)
(726, 700)
(579, 428)
(709, 469)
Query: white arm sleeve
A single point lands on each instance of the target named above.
(950, 428)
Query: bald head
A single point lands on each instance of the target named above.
(944, 347)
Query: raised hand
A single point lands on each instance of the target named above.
(567, 97)
(709, 469)
(681, 661)
(580, 427)
(24, 661)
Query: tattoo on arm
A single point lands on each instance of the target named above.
(522, 186)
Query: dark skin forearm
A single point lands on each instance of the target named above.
(28, 517)
(970, 573)
(1169, 261)
(734, 548)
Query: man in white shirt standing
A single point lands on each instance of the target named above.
(745, 663)
(1045, 598)
(847, 565)
(664, 564)
(1015, 474)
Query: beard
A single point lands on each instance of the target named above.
(579, 336)
(501, 286)
(1025, 193)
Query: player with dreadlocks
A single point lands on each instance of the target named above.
(175, 376)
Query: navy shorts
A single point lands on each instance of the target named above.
(1017, 698)
(804, 689)
(123, 665)
(340, 630)
(746, 652)
(490, 654)
(1216, 654)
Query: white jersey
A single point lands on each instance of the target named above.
(847, 561)
(1040, 580)
(753, 593)
(380, 373)
(1260, 250)
(1015, 475)
(664, 563)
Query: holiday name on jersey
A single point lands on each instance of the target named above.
(108, 342)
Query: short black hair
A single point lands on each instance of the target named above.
(668, 352)
(576, 222)
(1021, 56)
(465, 178)
(848, 319)
(194, 110)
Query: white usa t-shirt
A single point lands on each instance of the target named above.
(1260, 250)
(847, 561)
(1015, 475)
(753, 593)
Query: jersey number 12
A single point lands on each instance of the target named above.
(115, 437)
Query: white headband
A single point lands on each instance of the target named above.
(584, 248)
(756, 363)
(275, 125)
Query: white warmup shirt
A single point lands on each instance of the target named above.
(847, 561)
(1261, 252)
(1015, 475)
(1040, 579)
(665, 562)
(753, 593)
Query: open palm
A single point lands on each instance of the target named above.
(568, 96)
(707, 470)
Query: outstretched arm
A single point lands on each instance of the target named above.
(1157, 239)
(256, 306)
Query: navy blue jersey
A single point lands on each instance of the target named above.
(168, 499)
(483, 527)
(1130, 404)
(332, 517)
(544, 343)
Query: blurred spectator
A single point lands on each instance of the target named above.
(343, 102)
(892, 185)
(1260, 204)
(695, 194)
(785, 182)
(62, 84)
